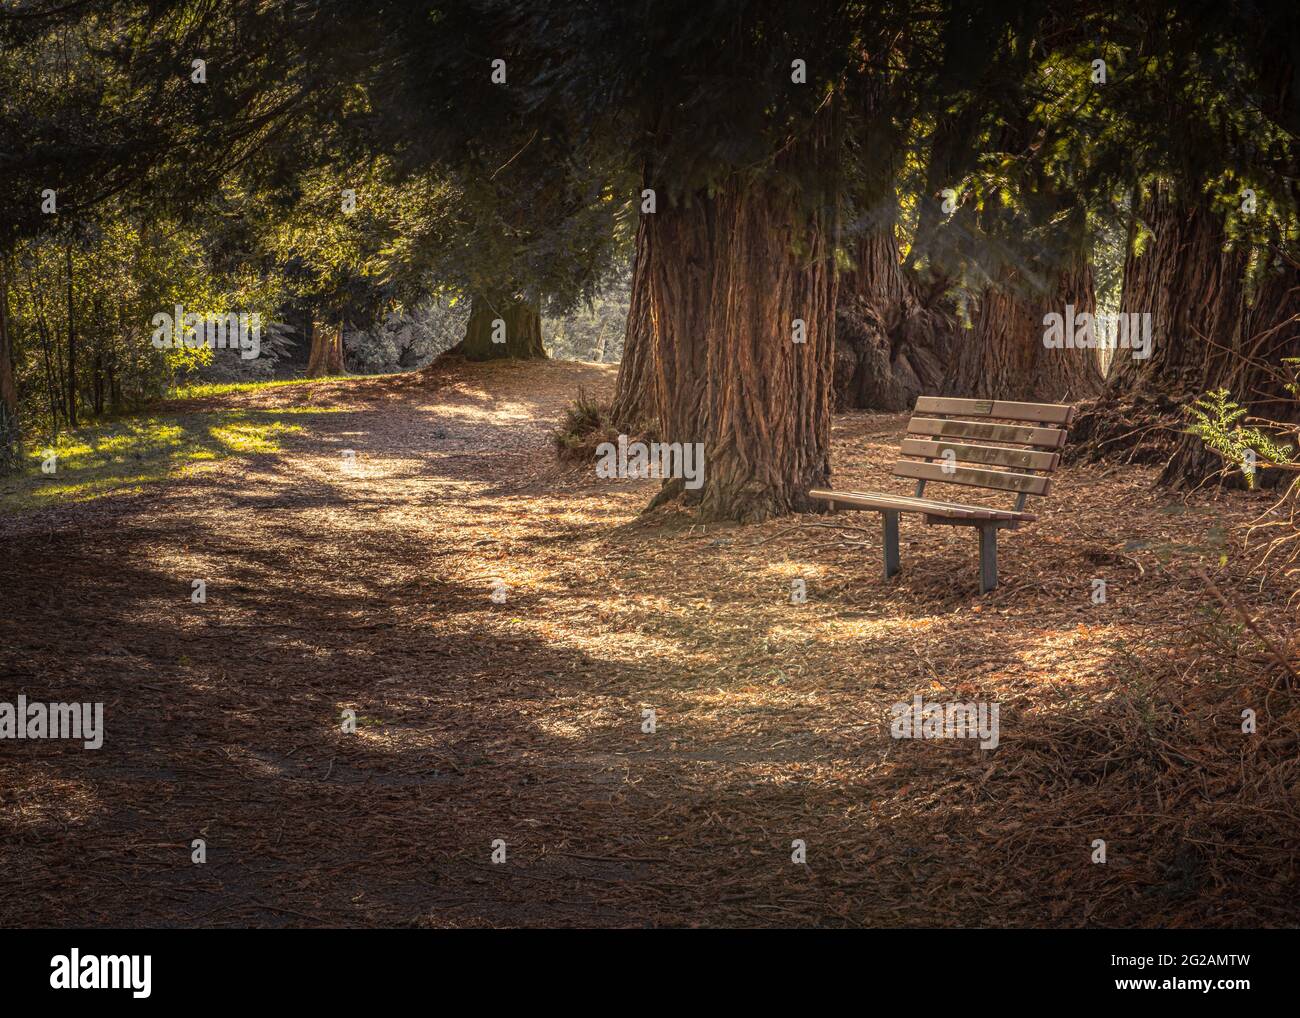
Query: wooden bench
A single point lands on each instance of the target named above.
(947, 434)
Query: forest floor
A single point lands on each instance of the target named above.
(368, 588)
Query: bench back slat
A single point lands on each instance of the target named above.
(1041, 413)
(1011, 449)
(1023, 459)
(1000, 480)
(1041, 438)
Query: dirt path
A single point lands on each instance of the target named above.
(368, 589)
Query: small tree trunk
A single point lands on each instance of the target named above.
(502, 327)
(119, 338)
(51, 378)
(634, 407)
(72, 348)
(309, 334)
(97, 373)
(326, 356)
(50, 347)
(11, 451)
(114, 390)
(334, 351)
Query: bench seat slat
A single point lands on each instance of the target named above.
(927, 506)
(999, 480)
(1042, 438)
(1043, 413)
(1025, 459)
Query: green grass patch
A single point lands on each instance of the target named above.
(125, 454)
(208, 389)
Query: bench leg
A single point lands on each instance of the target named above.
(988, 559)
(891, 543)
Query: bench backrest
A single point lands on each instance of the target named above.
(958, 442)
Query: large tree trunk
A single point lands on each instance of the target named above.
(326, 357)
(891, 345)
(1267, 331)
(10, 436)
(1064, 375)
(731, 274)
(1192, 290)
(520, 330)
(1003, 356)
(634, 408)
(1252, 370)
(1208, 336)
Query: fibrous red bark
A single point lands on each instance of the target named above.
(891, 344)
(1003, 354)
(634, 406)
(1190, 284)
(1266, 334)
(731, 273)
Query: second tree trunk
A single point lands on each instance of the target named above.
(502, 327)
